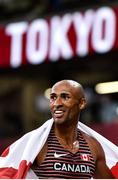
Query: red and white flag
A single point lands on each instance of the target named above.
(16, 160)
(85, 157)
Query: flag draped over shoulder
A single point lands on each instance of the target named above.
(16, 160)
(110, 149)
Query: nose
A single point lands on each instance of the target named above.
(58, 102)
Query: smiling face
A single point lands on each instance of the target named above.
(66, 101)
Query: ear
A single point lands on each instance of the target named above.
(82, 103)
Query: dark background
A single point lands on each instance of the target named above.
(23, 106)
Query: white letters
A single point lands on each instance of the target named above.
(16, 30)
(103, 37)
(37, 41)
(57, 166)
(62, 37)
(83, 24)
(72, 167)
(59, 43)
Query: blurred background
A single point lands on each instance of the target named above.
(44, 41)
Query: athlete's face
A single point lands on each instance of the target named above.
(64, 103)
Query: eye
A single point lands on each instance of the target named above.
(52, 97)
(65, 96)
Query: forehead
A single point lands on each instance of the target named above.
(63, 88)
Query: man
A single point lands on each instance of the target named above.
(58, 149)
(68, 152)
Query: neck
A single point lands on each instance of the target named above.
(66, 134)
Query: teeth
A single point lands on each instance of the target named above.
(58, 112)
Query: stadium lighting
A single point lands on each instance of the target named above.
(47, 93)
(107, 87)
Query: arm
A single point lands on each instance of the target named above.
(102, 170)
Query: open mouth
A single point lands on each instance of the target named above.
(58, 113)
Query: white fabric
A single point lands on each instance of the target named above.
(27, 147)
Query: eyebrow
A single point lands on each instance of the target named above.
(67, 93)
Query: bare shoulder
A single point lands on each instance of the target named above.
(90, 139)
(102, 170)
(94, 145)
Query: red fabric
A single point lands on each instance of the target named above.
(6, 152)
(12, 173)
(114, 170)
(7, 173)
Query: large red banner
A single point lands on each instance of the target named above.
(71, 34)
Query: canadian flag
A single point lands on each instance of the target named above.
(85, 157)
(114, 170)
(16, 160)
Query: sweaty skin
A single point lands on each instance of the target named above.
(67, 99)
